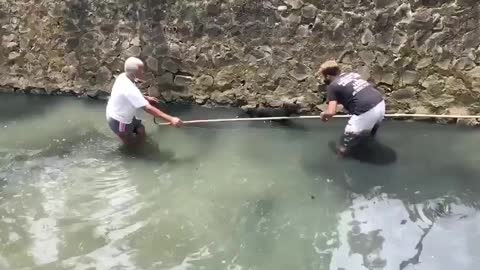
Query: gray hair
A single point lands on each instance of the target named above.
(131, 65)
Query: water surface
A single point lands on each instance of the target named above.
(230, 196)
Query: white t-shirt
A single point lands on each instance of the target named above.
(125, 99)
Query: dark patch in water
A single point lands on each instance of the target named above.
(3, 182)
(365, 244)
(16, 107)
(286, 110)
(148, 151)
(264, 207)
(370, 151)
(151, 152)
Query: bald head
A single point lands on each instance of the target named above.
(133, 67)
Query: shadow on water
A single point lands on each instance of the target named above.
(371, 151)
(151, 152)
(428, 168)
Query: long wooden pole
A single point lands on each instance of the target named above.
(397, 115)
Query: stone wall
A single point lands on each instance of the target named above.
(424, 54)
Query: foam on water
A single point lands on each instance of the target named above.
(229, 196)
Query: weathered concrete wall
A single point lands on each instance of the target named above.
(424, 54)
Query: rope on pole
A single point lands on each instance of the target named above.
(397, 115)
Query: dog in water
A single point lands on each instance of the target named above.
(286, 110)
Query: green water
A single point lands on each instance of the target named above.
(230, 196)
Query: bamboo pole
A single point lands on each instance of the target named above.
(397, 115)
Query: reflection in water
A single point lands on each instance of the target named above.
(44, 229)
(371, 235)
(379, 232)
(228, 196)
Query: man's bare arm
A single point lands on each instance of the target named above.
(158, 113)
(330, 112)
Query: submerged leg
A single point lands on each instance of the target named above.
(374, 130)
(139, 130)
(379, 111)
(122, 130)
(347, 141)
(127, 139)
(350, 135)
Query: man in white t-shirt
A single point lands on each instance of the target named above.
(125, 101)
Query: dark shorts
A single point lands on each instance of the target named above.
(124, 130)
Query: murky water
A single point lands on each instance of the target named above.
(231, 196)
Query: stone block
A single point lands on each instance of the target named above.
(423, 63)
(201, 99)
(367, 37)
(473, 76)
(401, 62)
(464, 63)
(166, 79)
(383, 59)
(300, 72)
(364, 71)
(181, 80)
(409, 77)
(134, 51)
(213, 8)
(303, 31)
(71, 59)
(214, 30)
(434, 85)
(221, 97)
(382, 76)
(205, 81)
(368, 57)
(10, 45)
(384, 3)
(405, 93)
(69, 71)
(444, 64)
(89, 63)
(152, 63)
(170, 65)
(30, 57)
(104, 75)
(309, 11)
(13, 56)
(136, 42)
(350, 3)
(153, 91)
(294, 4)
(8, 38)
(293, 20)
(471, 39)
(454, 85)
